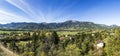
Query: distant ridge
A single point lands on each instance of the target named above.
(70, 24)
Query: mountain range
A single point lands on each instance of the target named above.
(70, 24)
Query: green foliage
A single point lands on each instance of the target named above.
(55, 37)
(28, 54)
(113, 44)
(70, 50)
(48, 43)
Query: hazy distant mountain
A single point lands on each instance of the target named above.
(70, 24)
(113, 26)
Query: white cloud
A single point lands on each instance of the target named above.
(35, 13)
(25, 7)
(7, 17)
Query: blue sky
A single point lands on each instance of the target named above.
(97, 11)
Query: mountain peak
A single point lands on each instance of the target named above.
(72, 21)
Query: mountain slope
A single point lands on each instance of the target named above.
(70, 24)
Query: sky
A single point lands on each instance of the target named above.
(97, 11)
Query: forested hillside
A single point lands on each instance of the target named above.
(70, 24)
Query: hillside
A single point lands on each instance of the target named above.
(6, 52)
(70, 24)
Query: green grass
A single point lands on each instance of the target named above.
(5, 31)
(11, 31)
